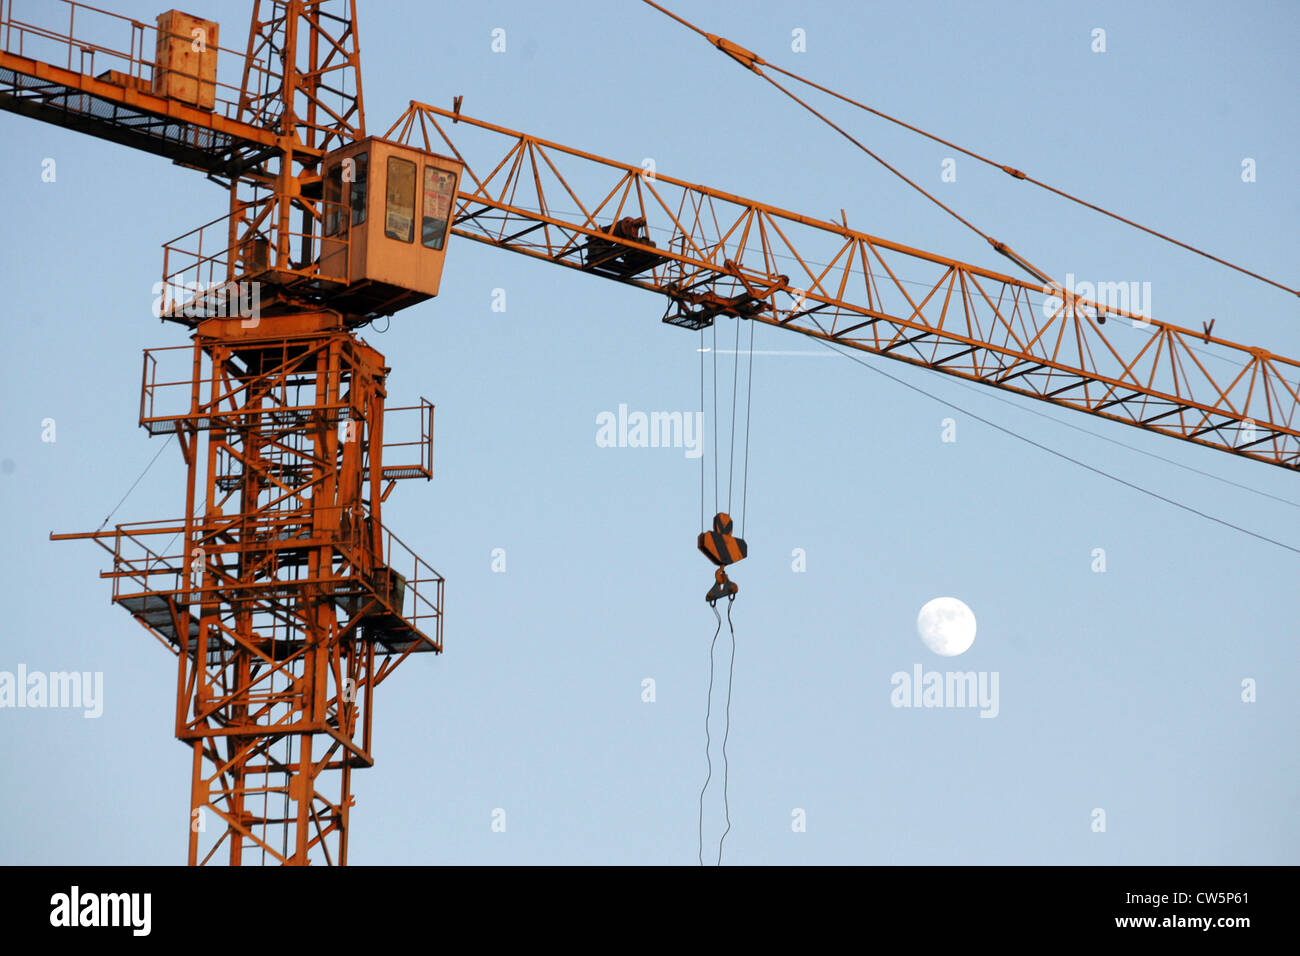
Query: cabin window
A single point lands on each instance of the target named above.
(333, 199)
(439, 191)
(357, 194)
(399, 201)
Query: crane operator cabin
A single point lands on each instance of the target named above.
(387, 206)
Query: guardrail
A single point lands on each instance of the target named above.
(403, 591)
(220, 268)
(89, 40)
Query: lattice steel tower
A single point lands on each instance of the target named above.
(285, 599)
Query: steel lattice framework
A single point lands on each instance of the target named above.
(283, 596)
(712, 253)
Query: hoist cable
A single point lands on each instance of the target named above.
(708, 713)
(752, 62)
(715, 418)
(735, 383)
(726, 804)
(749, 398)
(701, 437)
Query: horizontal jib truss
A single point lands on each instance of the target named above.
(711, 253)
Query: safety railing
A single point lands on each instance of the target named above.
(167, 394)
(102, 44)
(141, 569)
(224, 267)
(408, 442)
(375, 579)
(418, 600)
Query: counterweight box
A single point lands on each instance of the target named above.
(185, 60)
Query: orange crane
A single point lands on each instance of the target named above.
(280, 591)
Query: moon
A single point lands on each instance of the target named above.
(947, 626)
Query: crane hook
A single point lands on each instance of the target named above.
(721, 547)
(722, 587)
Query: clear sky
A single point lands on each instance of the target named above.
(1119, 690)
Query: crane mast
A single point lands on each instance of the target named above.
(283, 596)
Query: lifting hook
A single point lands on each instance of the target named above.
(722, 548)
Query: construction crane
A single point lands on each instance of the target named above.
(284, 597)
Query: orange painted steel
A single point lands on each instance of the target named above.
(712, 253)
(284, 598)
(88, 69)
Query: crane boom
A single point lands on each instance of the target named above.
(712, 253)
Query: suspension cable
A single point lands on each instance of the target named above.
(1059, 454)
(752, 62)
(1115, 441)
(137, 481)
(1018, 174)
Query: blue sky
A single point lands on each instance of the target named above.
(1118, 690)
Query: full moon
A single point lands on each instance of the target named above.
(947, 626)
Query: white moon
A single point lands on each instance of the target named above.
(947, 626)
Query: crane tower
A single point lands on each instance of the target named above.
(283, 595)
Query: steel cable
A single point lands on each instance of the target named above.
(708, 740)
